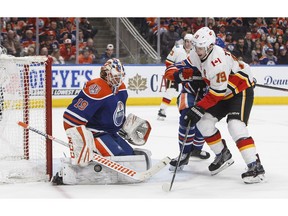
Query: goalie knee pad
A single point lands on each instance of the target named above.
(81, 143)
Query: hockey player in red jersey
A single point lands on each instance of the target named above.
(230, 94)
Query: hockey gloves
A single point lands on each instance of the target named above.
(124, 135)
(186, 74)
(194, 114)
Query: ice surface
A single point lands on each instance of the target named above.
(194, 188)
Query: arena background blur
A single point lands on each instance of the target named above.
(149, 8)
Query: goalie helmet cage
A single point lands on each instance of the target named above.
(25, 95)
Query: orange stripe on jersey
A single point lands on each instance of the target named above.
(245, 143)
(97, 88)
(168, 63)
(210, 100)
(100, 147)
(217, 94)
(67, 126)
(73, 119)
(183, 101)
(213, 139)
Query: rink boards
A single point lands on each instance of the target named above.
(146, 85)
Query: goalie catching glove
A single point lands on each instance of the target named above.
(135, 130)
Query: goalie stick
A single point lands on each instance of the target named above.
(138, 176)
(271, 87)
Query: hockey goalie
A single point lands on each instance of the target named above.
(96, 124)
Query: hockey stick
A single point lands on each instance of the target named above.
(272, 87)
(168, 187)
(138, 176)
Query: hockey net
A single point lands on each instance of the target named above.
(25, 95)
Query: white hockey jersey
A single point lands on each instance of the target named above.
(224, 74)
(177, 54)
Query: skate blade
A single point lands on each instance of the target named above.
(172, 168)
(252, 180)
(160, 118)
(223, 167)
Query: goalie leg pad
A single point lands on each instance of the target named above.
(81, 143)
(146, 153)
(137, 130)
(96, 174)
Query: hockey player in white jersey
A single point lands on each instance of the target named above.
(178, 53)
(231, 94)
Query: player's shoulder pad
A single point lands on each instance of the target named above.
(97, 88)
(218, 58)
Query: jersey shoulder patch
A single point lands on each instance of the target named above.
(97, 88)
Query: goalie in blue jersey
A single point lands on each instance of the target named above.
(96, 122)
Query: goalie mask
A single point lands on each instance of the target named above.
(113, 73)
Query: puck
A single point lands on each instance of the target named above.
(97, 168)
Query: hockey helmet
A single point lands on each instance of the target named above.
(113, 72)
(204, 38)
(188, 37)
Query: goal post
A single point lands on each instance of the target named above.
(25, 95)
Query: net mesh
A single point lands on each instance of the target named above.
(22, 98)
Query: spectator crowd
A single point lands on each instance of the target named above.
(255, 40)
(57, 38)
(258, 40)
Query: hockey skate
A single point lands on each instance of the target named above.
(200, 154)
(161, 115)
(57, 179)
(184, 161)
(255, 173)
(221, 161)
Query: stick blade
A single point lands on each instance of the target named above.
(22, 124)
